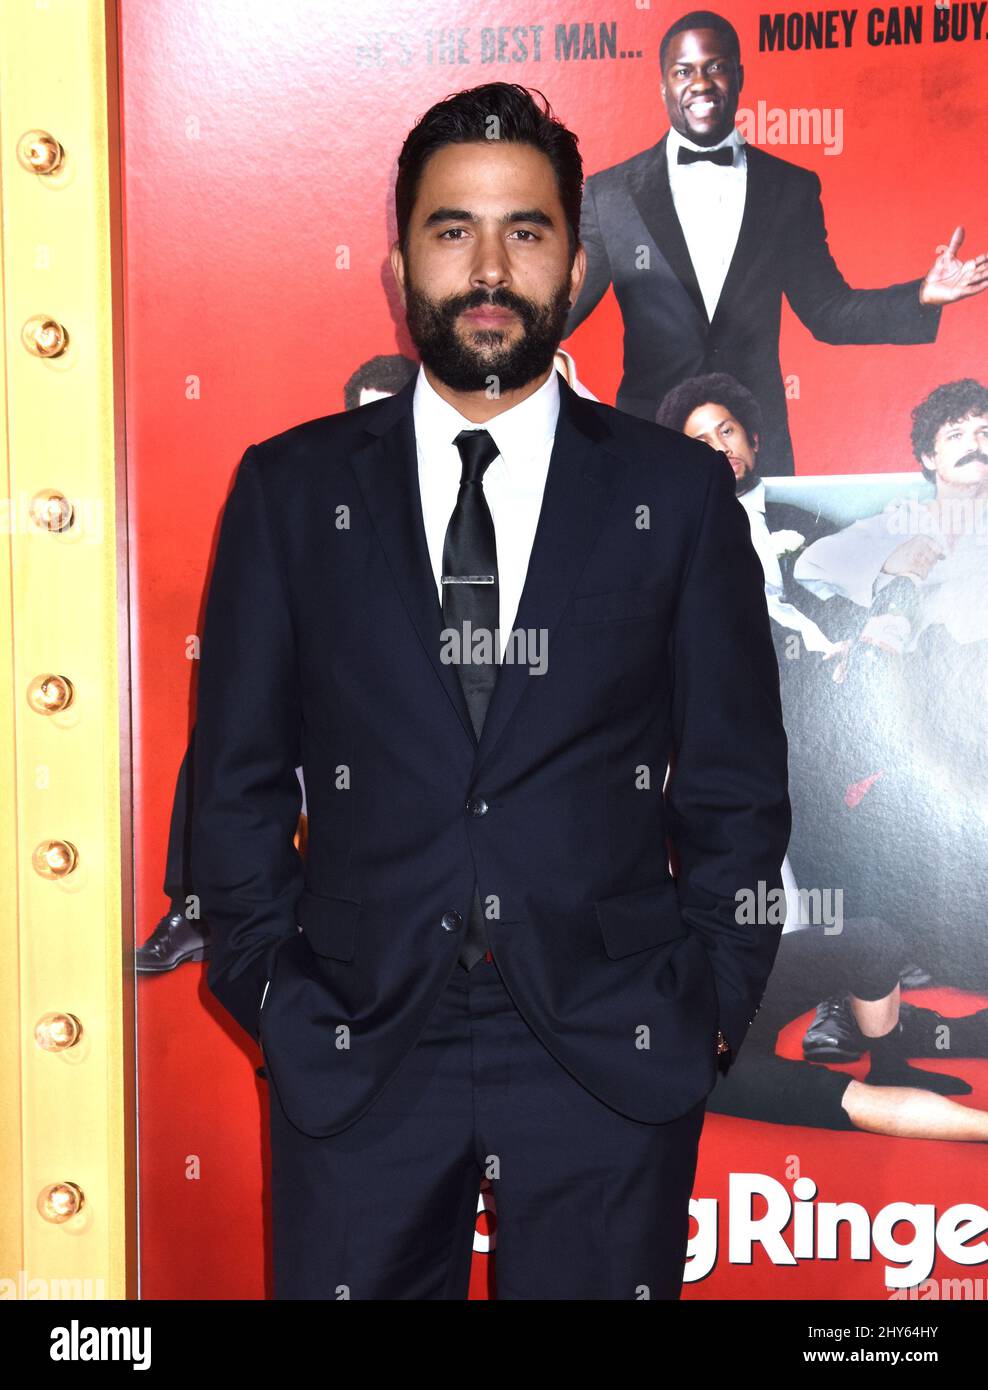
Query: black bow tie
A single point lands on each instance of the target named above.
(725, 155)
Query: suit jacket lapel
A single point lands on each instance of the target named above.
(583, 475)
(649, 186)
(760, 214)
(386, 469)
(581, 479)
(652, 194)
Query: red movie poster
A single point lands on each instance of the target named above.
(805, 304)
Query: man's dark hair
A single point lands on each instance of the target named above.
(465, 117)
(387, 372)
(701, 19)
(947, 405)
(715, 388)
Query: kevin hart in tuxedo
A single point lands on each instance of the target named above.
(484, 615)
(702, 234)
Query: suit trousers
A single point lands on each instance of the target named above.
(589, 1203)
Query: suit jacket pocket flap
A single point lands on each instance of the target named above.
(639, 920)
(329, 924)
(619, 604)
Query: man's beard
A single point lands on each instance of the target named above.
(487, 359)
(748, 479)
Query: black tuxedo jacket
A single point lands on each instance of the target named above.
(837, 617)
(634, 240)
(831, 618)
(321, 648)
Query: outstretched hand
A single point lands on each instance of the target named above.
(950, 278)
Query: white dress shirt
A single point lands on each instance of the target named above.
(513, 483)
(709, 202)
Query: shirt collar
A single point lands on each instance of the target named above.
(754, 498)
(675, 141)
(520, 432)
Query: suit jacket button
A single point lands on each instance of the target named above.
(477, 806)
(451, 921)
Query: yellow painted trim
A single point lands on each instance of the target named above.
(65, 945)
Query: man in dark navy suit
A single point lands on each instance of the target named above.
(702, 234)
(484, 615)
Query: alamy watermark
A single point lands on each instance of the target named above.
(764, 906)
(471, 645)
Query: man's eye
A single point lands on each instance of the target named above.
(452, 232)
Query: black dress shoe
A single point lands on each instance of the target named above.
(926, 1033)
(833, 1036)
(174, 941)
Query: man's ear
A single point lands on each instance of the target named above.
(754, 442)
(577, 274)
(398, 269)
(740, 78)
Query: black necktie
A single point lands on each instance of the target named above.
(725, 155)
(470, 596)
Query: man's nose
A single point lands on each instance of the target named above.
(490, 265)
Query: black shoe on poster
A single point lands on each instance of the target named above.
(833, 1036)
(174, 942)
(926, 1033)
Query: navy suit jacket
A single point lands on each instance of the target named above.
(321, 648)
(633, 239)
